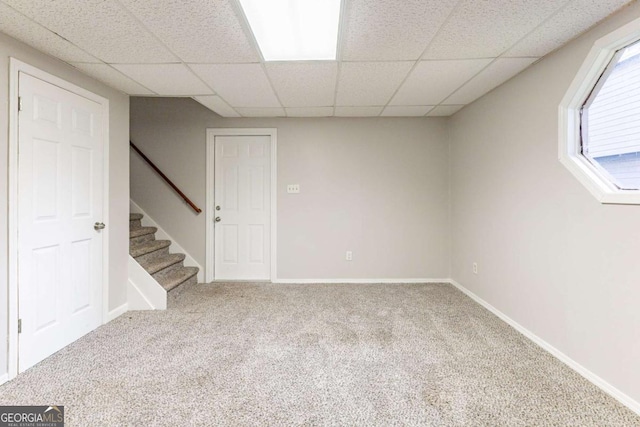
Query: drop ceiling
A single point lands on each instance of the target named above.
(395, 57)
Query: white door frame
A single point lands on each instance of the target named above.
(16, 67)
(210, 199)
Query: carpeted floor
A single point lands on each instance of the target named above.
(314, 355)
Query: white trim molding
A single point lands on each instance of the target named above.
(4, 378)
(210, 188)
(16, 67)
(612, 391)
(143, 291)
(117, 312)
(569, 116)
(360, 281)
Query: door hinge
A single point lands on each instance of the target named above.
(19, 103)
(19, 326)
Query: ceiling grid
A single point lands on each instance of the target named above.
(395, 58)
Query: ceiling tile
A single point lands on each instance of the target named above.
(24, 29)
(358, 111)
(444, 110)
(406, 111)
(165, 79)
(494, 75)
(386, 35)
(197, 30)
(575, 18)
(310, 112)
(113, 78)
(370, 83)
(432, 81)
(391, 29)
(481, 29)
(262, 112)
(304, 84)
(241, 85)
(101, 27)
(217, 105)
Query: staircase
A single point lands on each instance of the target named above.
(153, 255)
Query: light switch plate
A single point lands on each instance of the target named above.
(293, 188)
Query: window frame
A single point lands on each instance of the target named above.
(591, 74)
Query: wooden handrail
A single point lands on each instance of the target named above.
(167, 180)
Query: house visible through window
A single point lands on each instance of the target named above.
(611, 120)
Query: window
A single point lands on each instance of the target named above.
(610, 121)
(600, 119)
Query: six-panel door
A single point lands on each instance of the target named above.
(60, 197)
(242, 194)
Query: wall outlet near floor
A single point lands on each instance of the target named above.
(293, 188)
(475, 268)
(349, 256)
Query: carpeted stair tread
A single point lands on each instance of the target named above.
(148, 247)
(156, 265)
(178, 277)
(142, 231)
(153, 255)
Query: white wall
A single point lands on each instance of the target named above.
(377, 187)
(550, 256)
(119, 170)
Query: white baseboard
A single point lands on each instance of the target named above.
(116, 312)
(587, 374)
(4, 378)
(360, 281)
(189, 261)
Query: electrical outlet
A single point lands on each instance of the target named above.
(475, 268)
(349, 256)
(293, 188)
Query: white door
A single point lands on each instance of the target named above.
(60, 190)
(243, 207)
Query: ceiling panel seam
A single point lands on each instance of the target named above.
(161, 42)
(455, 8)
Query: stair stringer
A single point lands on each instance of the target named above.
(143, 291)
(147, 221)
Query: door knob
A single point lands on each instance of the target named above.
(99, 226)
(217, 208)
(218, 219)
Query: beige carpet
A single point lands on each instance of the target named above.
(313, 355)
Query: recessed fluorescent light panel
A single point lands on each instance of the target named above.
(294, 30)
